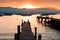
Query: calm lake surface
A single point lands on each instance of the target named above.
(8, 27)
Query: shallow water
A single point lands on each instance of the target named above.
(8, 26)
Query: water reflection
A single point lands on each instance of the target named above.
(8, 25)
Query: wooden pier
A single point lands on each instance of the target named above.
(42, 19)
(52, 22)
(26, 32)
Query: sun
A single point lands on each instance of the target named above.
(28, 6)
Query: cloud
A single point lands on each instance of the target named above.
(43, 3)
(9, 1)
(34, 1)
(47, 0)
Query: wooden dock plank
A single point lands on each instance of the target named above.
(26, 33)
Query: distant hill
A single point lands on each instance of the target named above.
(24, 11)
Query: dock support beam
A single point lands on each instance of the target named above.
(45, 21)
(35, 33)
(41, 20)
(39, 37)
(17, 35)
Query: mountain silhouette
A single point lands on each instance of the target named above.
(24, 11)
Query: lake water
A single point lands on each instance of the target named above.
(8, 27)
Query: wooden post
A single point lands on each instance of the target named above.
(17, 35)
(45, 21)
(39, 37)
(48, 21)
(41, 19)
(18, 29)
(35, 33)
(38, 18)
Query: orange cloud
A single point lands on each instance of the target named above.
(38, 3)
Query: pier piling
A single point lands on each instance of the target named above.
(17, 35)
(35, 33)
(39, 37)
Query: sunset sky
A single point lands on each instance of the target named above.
(35, 3)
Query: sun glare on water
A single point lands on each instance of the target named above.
(28, 6)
